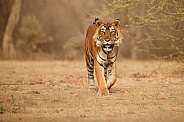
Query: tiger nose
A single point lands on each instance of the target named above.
(107, 40)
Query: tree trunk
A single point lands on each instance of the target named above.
(8, 47)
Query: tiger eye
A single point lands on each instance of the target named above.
(102, 33)
(113, 32)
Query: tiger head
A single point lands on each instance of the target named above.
(107, 35)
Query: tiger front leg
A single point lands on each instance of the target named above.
(111, 75)
(102, 85)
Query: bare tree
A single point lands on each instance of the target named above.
(154, 28)
(8, 47)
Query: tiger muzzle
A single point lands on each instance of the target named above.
(107, 46)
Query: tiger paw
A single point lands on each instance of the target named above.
(103, 93)
(91, 84)
(93, 87)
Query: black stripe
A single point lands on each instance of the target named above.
(114, 52)
(92, 62)
(90, 71)
(111, 57)
(113, 62)
(104, 51)
(90, 75)
(99, 63)
(101, 58)
(89, 55)
(89, 67)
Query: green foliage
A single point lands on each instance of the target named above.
(153, 26)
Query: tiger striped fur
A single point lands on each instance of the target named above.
(101, 49)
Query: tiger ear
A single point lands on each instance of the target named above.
(96, 19)
(98, 22)
(120, 36)
(117, 22)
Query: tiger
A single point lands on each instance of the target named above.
(101, 49)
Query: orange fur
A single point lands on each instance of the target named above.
(101, 48)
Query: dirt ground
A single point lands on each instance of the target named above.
(45, 91)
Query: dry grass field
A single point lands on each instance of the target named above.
(146, 91)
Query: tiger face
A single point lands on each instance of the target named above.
(107, 35)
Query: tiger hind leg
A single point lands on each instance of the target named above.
(90, 68)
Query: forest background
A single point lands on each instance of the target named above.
(55, 29)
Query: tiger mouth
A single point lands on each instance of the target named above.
(108, 47)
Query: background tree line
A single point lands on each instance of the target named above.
(55, 29)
